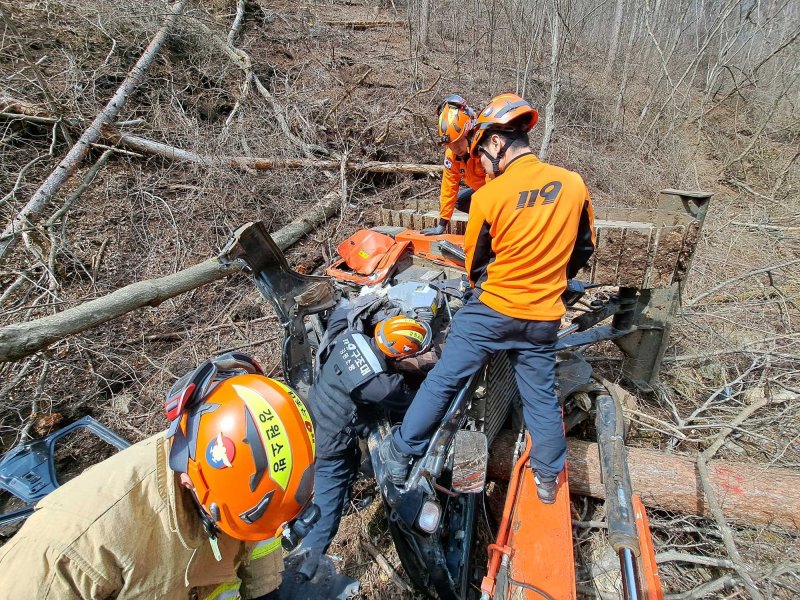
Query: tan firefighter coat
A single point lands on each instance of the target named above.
(125, 529)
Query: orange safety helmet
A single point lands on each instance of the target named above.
(506, 112)
(402, 337)
(456, 119)
(247, 444)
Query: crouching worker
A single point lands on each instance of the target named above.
(194, 512)
(456, 121)
(357, 377)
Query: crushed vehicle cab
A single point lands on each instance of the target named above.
(432, 517)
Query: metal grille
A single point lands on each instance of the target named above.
(501, 393)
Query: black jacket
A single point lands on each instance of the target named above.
(352, 378)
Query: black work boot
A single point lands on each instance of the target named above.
(546, 487)
(394, 461)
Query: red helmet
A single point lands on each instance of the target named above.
(506, 112)
(456, 119)
(402, 337)
(247, 444)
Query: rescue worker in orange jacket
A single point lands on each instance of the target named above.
(196, 512)
(456, 120)
(529, 230)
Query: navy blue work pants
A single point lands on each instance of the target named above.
(332, 479)
(464, 199)
(476, 333)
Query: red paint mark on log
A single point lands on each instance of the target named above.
(729, 480)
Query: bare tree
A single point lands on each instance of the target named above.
(614, 43)
(555, 82)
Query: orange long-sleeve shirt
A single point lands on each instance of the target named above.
(528, 230)
(456, 168)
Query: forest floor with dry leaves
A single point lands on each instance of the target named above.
(354, 90)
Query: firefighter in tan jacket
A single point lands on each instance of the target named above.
(194, 513)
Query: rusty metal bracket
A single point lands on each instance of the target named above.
(656, 308)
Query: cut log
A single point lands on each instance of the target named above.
(153, 148)
(22, 339)
(42, 196)
(750, 494)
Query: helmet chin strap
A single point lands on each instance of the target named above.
(209, 523)
(495, 160)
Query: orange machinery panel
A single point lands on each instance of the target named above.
(648, 569)
(384, 268)
(427, 246)
(363, 250)
(533, 551)
(368, 259)
(541, 542)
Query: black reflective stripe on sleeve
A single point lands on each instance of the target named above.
(584, 248)
(482, 256)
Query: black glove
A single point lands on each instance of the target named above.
(438, 230)
(574, 292)
(310, 574)
(300, 527)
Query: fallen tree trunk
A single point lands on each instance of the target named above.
(362, 25)
(42, 196)
(22, 339)
(749, 494)
(153, 148)
(12, 110)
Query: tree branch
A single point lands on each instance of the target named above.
(724, 529)
(37, 73)
(145, 146)
(727, 282)
(22, 339)
(245, 62)
(236, 26)
(705, 589)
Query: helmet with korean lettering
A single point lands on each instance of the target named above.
(245, 442)
(456, 119)
(402, 337)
